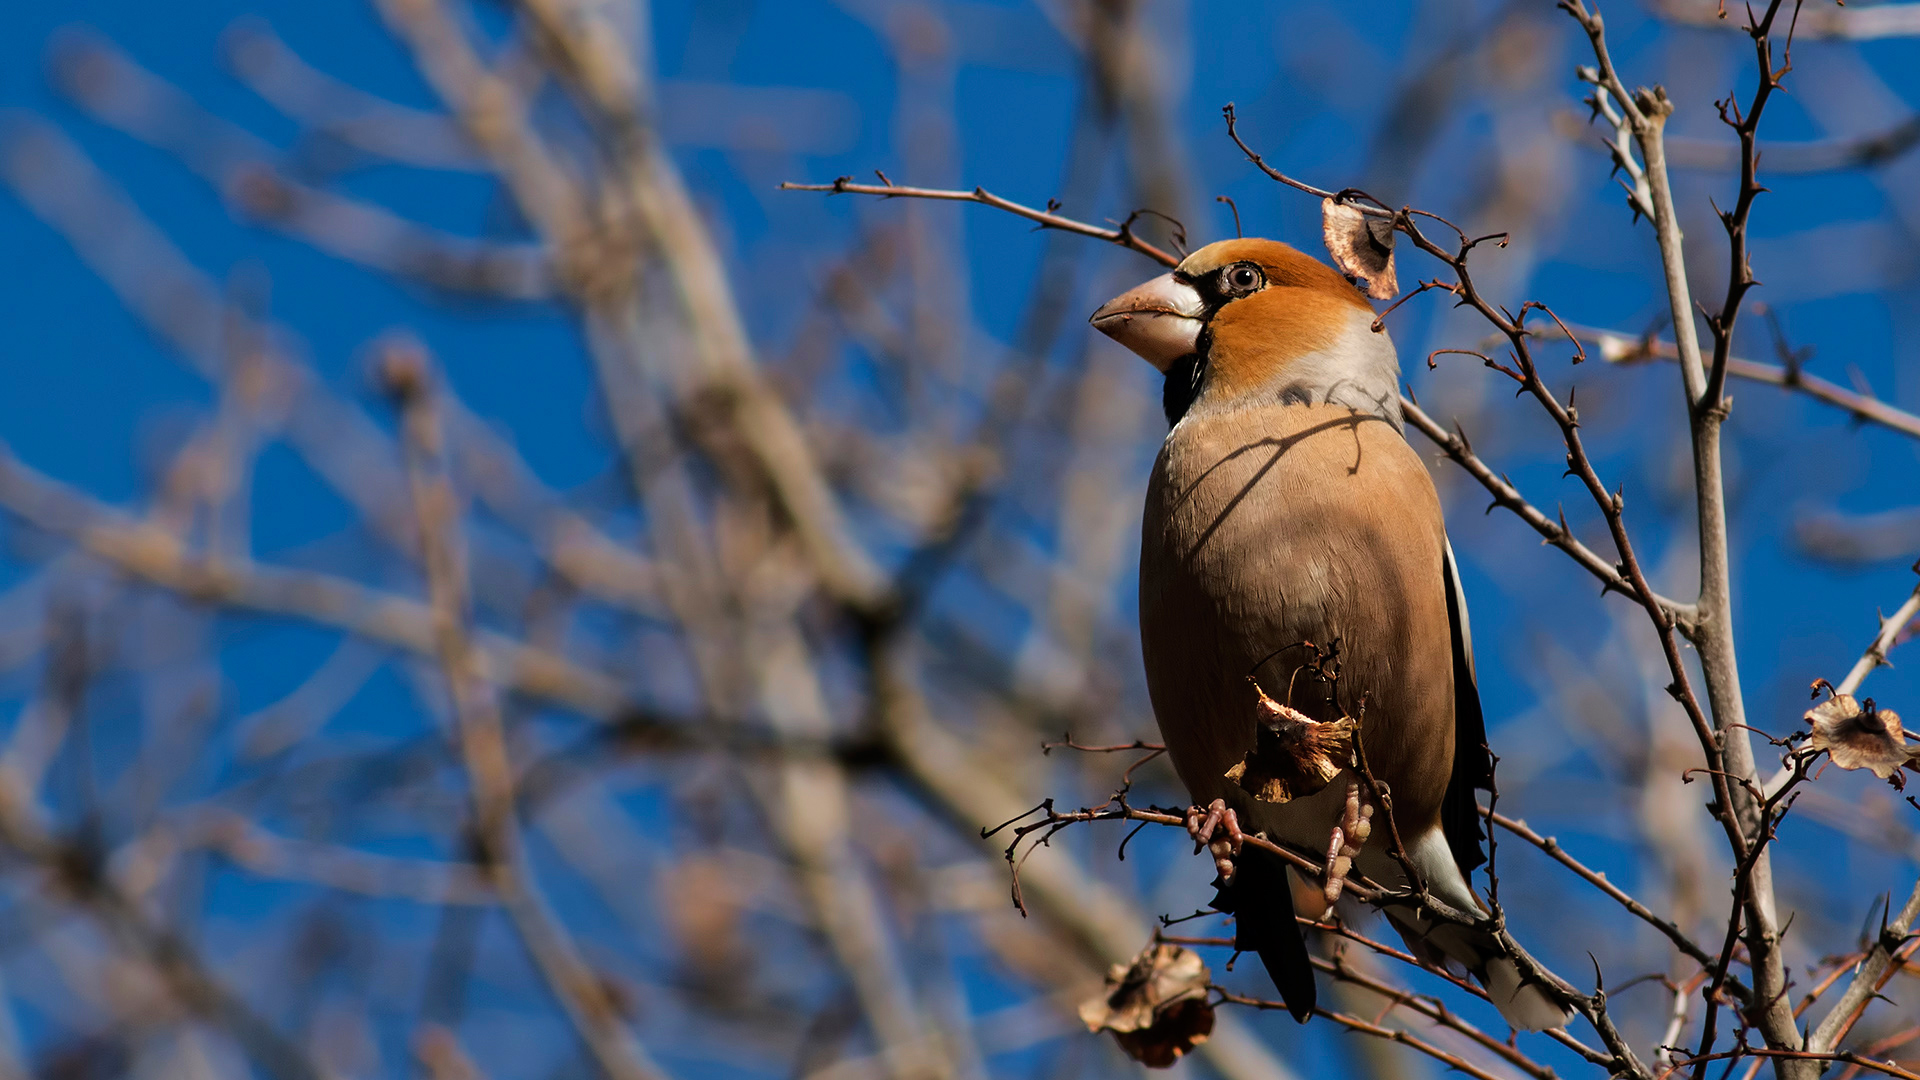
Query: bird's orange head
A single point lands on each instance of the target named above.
(1248, 321)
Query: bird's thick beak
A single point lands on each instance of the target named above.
(1159, 320)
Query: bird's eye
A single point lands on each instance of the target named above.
(1243, 278)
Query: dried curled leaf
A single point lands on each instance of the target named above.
(1857, 736)
(1156, 1007)
(1293, 755)
(1361, 246)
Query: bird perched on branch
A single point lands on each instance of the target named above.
(1287, 517)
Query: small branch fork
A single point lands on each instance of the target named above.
(1746, 128)
(1153, 750)
(1552, 848)
(1116, 808)
(1886, 1068)
(1863, 408)
(1400, 998)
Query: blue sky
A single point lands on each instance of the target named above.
(92, 399)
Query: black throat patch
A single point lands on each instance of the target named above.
(1182, 386)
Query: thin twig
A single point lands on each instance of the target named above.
(1885, 1067)
(1122, 234)
(1556, 533)
(1726, 744)
(1366, 1027)
(1868, 977)
(1891, 626)
(1599, 881)
(1618, 348)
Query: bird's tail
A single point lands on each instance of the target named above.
(1260, 898)
(1524, 1005)
(1262, 907)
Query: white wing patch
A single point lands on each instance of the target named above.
(1460, 608)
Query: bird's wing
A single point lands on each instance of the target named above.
(1472, 763)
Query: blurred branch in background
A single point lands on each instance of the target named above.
(677, 759)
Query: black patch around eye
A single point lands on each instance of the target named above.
(1209, 287)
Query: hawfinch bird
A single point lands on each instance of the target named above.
(1285, 508)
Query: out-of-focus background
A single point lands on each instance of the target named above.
(494, 587)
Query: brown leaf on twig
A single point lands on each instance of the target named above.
(1857, 736)
(1361, 246)
(1293, 755)
(1156, 1007)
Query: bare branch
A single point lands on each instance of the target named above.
(1122, 235)
(1869, 977)
(155, 556)
(372, 124)
(1727, 746)
(271, 856)
(1599, 881)
(482, 736)
(1455, 446)
(249, 175)
(1617, 348)
(1891, 627)
(1367, 1027)
(1870, 22)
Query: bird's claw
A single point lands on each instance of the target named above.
(1356, 824)
(1219, 818)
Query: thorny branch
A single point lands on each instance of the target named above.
(1599, 881)
(1367, 1027)
(1617, 348)
(1726, 746)
(1555, 532)
(1891, 628)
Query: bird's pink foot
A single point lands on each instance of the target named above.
(1203, 825)
(1356, 824)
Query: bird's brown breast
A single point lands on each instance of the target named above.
(1270, 526)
